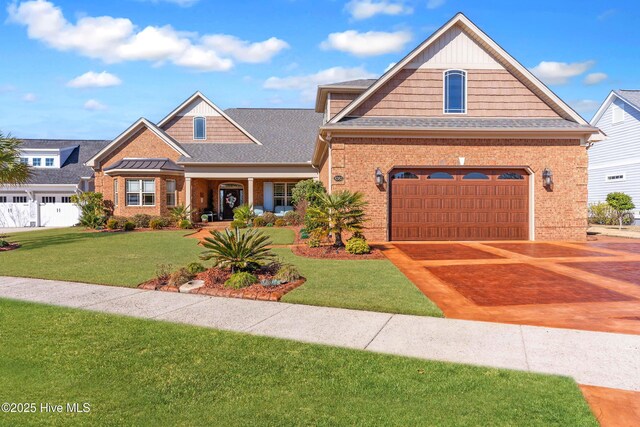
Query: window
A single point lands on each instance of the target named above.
(455, 92)
(36, 161)
(171, 192)
(617, 113)
(511, 175)
(405, 175)
(3, 199)
(199, 128)
(48, 199)
(282, 193)
(115, 192)
(141, 192)
(440, 175)
(616, 177)
(65, 199)
(24, 160)
(48, 161)
(475, 175)
(19, 199)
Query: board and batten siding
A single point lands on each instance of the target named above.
(619, 154)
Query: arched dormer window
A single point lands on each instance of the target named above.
(455, 92)
(199, 128)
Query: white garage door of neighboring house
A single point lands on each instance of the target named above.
(15, 211)
(57, 211)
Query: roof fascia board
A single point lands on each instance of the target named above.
(603, 107)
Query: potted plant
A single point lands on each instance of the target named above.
(204, 218)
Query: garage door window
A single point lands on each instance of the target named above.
(440, 175)
(3, 199)
(405, 175)
(65, 199)
(19, 199)
(48, 199)
(475, 175)
(511, 175)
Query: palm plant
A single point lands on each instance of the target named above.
(245, 251)
(338, 212)
(180, 213)
(243, 213)
(12, 171)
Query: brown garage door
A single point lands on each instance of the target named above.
(459, 204)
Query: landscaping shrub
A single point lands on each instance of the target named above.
(308, 190)
(180, 277)
(258, 222)
(120, 220)
(287, 273)
(280, 222)
(313, 242)
(304, 235)
(195, 268)
(163, 270)
(238, 251)
(185, 224)
(293, 218)
(243, 213)
(3, 243)
(141, 220)
(269, 218)
(129, 226)
(156, 223)
(93, 211)
(240, 279)
(180, 213)
(336, 213)
(112, 224)
(621, 204)
(238, 224)
(357, 246)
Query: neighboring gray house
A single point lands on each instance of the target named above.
(614, 163)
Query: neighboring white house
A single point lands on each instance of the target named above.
(614, 163)
(58, 173)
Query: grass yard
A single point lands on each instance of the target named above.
(375, 285)
(123, 259)
(279, 236)
(141, 372)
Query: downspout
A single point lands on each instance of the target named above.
(327, 141)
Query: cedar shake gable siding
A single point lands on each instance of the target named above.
(218, 129)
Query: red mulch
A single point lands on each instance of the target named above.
(10, 247)
(329, 252)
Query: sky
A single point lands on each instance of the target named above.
(88, 70)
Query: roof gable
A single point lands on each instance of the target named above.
(199, 105)
(629, 97)
(132, 130)
(482, 52)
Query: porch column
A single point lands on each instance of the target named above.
(250, 191)
(187, 192)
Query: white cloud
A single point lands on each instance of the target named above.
(93, 79)
(559, 73)
(94, 105)
(243, 50)
(115, 40)
(585, 106)
(29, 97)
(307, 84)
(363, 9)
(595, 78)
(367, 44)
(434, 4)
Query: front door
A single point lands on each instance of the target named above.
(231, 199)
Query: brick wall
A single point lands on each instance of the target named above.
(218, 129)
(559, 215)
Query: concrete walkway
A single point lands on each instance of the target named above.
(591, 358)
(626, 232)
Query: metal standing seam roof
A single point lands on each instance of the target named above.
(145, 164)
(456, 123)
(631, 96)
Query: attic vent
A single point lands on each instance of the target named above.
(617, 113)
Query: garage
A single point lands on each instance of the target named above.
(57, 211)
(459, 204)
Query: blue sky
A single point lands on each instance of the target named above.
(76, 69)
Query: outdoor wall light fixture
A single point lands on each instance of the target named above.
(547, 178)
(379, 177)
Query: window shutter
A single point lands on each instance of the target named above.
(268, 196)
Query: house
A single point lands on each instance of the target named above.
(58, 173)
(457, 141)
(614, 164)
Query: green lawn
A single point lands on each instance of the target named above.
(123, 259)
(279, 236)
(375, 285)
(141, 372)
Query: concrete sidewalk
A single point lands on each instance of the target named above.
(591, 358)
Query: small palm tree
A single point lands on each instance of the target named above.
(338, 212)
(245, 251)
(12, 172)
(180, 213)
(243, 213)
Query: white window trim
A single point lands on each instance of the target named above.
(116, 192)
(286, 185)
(141, 193)
(194, 128)
(33, 162)
(609, 175)
(444, 91)
(175, 193)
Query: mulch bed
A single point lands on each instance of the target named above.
(329, 252)
(214, 286)
(10, 247)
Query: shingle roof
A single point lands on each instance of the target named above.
(363, 83)
(147, 164)
(73, 168)
(286, 135)
(631, 96)
(456, 123)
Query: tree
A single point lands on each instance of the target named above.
(308, 190)
(93, 211)
(12, 171)
(338, 212)
(621, 203)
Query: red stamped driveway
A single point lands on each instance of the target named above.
(592, 286)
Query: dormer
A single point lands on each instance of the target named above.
(46, 158)
(332, 98)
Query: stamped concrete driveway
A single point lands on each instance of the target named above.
(591, 286)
